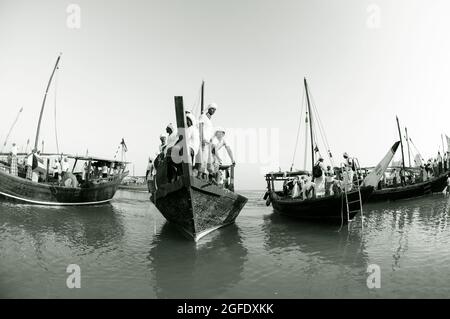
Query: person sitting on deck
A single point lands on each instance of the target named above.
(308, 190)
(329, 179)
(64, 166)
(337, 188)
(297, 188)
(105, 170)
(57, 170)
(14, 170)
(218, 142)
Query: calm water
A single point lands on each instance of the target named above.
(127, 250)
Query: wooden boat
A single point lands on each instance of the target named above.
(72, 190)
(195, 206)
(405, 190)
(433, 185)
(338, 208)
(91, 191)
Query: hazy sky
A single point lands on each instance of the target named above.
(366, 61)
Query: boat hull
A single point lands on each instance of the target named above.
(330, 209)
(199, 208)
(25, 191)
(410, 191)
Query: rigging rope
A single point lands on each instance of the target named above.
(321, 130)
(298, 130)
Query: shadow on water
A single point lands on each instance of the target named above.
(345, 247)
(183, 268)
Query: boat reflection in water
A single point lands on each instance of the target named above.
(312, 240)
(185, 269)
(89, 228)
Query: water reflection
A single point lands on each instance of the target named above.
(185, 269)
(314, 241)
(81, 228)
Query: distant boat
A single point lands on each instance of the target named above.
(72, 190)
(406, 190)
(337, 208)
(195, 206)
(134, 184)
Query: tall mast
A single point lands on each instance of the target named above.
(401, 143)
(36, 141)
(202, 101)
(407, 143)
(310, 126)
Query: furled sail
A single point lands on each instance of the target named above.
(377, 173)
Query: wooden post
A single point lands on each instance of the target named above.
(407, 143)
(181, 124)
(231, 187)
(43, 103)
(48, 170)
(310, 129)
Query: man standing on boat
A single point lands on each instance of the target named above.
(319, 180)
(172, 137)
(218, 145)
(29, 165)
(208, 133)
(14, 170)
(348, 172)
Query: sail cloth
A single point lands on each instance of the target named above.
(448, 143)
(417, 160)
(39, 165)
(377, 173)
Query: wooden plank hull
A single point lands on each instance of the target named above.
(23, 190)
(330, 209)
(410, 191)
(197, 209)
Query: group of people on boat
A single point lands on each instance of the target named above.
(209, 152)
(57, 170)
(324, 181)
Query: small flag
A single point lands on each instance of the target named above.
(125, 148)
(316, 149)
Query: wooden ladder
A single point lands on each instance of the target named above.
(359, 199)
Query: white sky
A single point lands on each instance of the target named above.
(121, 69)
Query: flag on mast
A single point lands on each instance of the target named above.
(125, 148)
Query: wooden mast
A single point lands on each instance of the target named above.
(407, 143)
(36, 141)
(182, 126)
(310, 128)
(403, 154)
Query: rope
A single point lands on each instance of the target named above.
(298, 130)
(321, 129)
